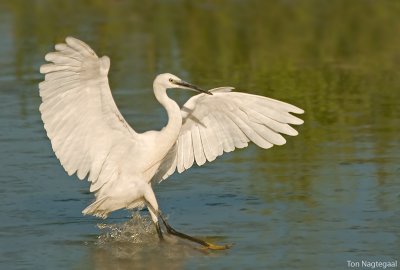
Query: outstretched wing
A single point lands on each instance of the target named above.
(218, 123)
(86, 129)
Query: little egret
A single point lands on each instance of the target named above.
(90, 136)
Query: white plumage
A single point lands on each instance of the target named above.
(90, 136)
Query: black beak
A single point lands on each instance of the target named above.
(193, 87)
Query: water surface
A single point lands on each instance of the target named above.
(329, 195)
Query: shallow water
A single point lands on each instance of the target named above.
(329, 195)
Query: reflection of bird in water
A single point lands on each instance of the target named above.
(90, 136)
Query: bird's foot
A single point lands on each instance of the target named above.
(206, 245)
(211, 246)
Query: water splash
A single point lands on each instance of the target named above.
(139, 229)
(135, 243)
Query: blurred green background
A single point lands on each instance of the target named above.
(333, 190)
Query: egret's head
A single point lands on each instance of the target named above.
(168, 80)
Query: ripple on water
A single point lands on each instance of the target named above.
(135, 242)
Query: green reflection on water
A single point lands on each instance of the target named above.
(338, 60)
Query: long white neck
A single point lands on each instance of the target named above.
(171, 131)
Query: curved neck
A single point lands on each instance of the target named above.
(172, 129)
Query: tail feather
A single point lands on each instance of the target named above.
(102, 207)
(95, 209)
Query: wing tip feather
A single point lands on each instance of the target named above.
(45, 68)
(60, 46)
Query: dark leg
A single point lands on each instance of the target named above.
(191, 238)
(159, 232)
(151, 203)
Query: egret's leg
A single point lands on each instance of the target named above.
(159, 232)
(191, 238)
(152, 205)
(155, 220)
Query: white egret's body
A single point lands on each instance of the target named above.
(90, 136)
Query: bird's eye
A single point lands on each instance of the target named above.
(171, 80)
